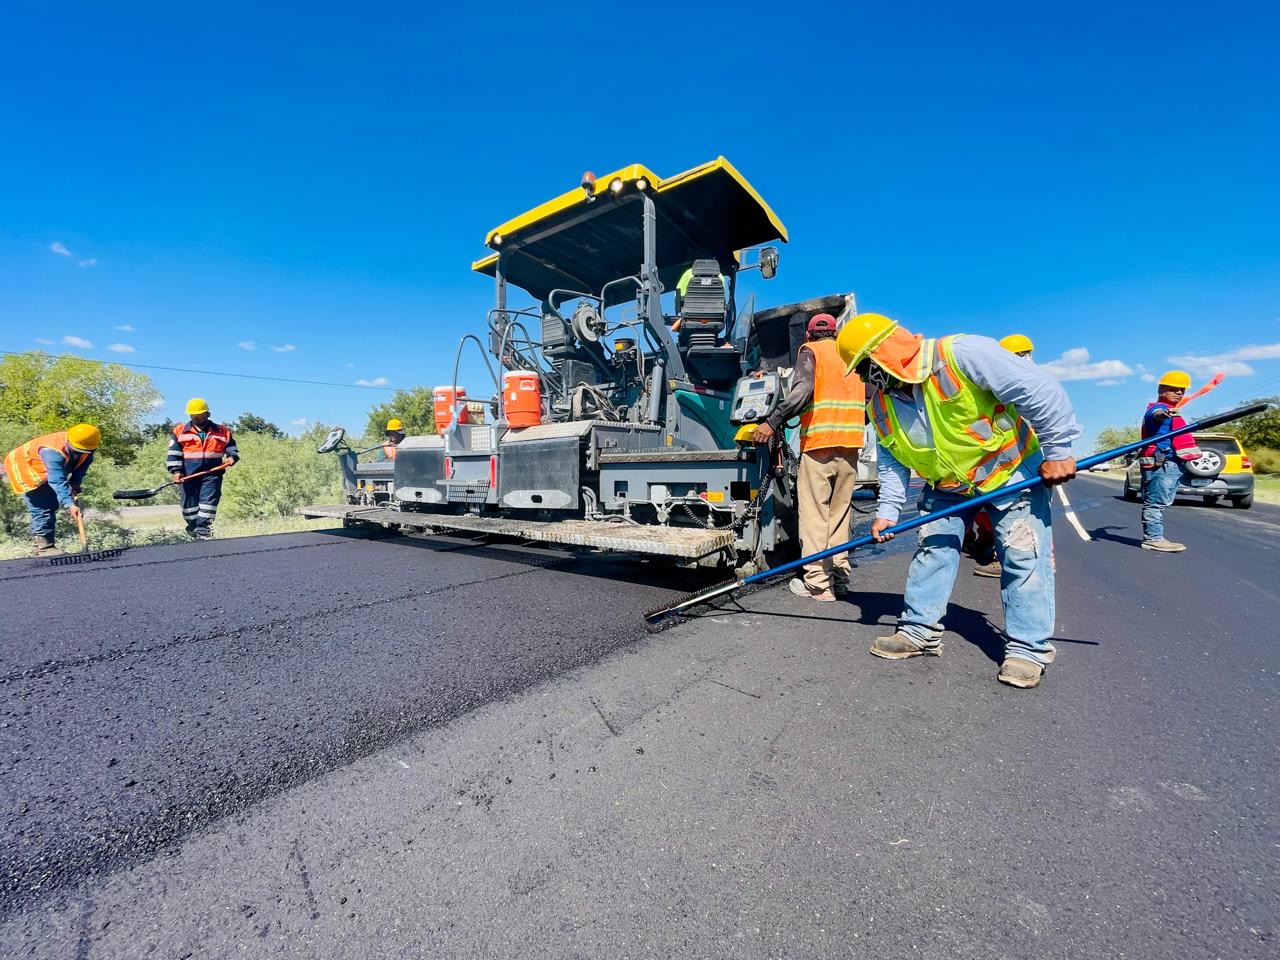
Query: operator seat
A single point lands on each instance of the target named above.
(703, 309)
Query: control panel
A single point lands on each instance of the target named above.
(754, 398)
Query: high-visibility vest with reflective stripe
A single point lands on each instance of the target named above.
(837, 414)
(977, 443)
(26, 470)
(212, 447)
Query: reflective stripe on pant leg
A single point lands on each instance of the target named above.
(1024, 545)
(932, 573)
(209, 497)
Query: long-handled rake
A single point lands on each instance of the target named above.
(148, 494)
(655, 617)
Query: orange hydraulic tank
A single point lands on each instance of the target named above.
(443, 400)
(522, 398)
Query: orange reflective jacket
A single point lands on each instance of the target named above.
(212, 447)
(26, 470)
(837, 414)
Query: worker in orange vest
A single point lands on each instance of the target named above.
(832, 409)
(394, 436)
(48, 472)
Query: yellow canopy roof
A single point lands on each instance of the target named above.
(570, 243)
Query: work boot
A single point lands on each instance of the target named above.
(992, 569)
(900, 647)
(840, 588)
(1163, 546)
(1017, 672)
(44, 547)
(203, 533)
(801, 589)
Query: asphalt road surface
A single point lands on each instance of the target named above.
(323, 745)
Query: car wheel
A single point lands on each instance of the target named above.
(1244, 502)
(1211, 501)
(1130, 494)
(1208, 464)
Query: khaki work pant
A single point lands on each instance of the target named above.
(824, 494)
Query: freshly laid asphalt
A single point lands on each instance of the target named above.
(326, 745)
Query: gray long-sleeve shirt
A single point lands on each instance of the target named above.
(1039, 397)
(800, 393)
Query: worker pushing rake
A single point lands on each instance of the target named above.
(985, 429)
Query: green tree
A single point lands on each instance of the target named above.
(1261, 429)
(414, 408)
(51, 393)
(1111, 437)
(252, 423)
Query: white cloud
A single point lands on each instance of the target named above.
(125, 328)
(285, 348)
(1231, 362)
(247, 345)
(47, 343)
(1075, 364)
(1148, 378)
(121, 348)
(349, 366)
(91, 262)
(1109, 382)
(78, 342)
(300, 422)
(157, 403)
(375, 382)
(60, 250)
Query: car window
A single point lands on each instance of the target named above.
(1225, 445)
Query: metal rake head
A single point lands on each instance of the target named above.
(86, 557)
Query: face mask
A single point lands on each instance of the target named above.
(878, 379)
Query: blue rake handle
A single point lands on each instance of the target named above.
(919, 521)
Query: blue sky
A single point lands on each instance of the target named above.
(314, 179)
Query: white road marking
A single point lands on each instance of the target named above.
(1071, 516)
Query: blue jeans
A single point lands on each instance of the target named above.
(42, 502)
(1024, 547)
(1159, 487)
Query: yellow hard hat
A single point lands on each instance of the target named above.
(84, 436)
(394, 424)
(1176, 378)
(196, 405)
(1017, 343)
(861, 335)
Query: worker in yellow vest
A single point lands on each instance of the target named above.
(48, 472)
(969, 417)
(831, 405)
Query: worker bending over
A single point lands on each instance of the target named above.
(48, 472)
(831, 404)
(394, 436)
(1162, 460)
(969, 417)
(197, 446)
(1019, 344)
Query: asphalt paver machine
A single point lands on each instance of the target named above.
(621, 389)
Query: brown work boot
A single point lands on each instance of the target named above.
(44, 547)
(1017, 672)
(1163, 546)
(802, 589)
(992, 569)
(900, 647)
